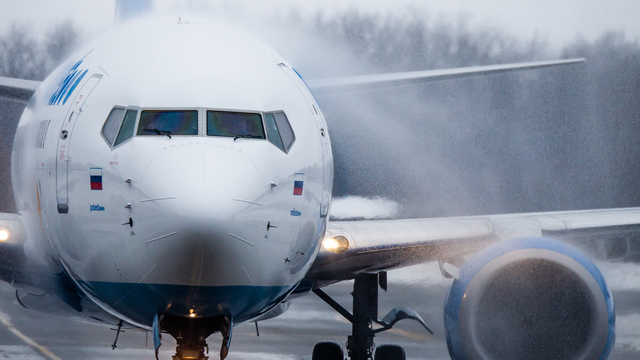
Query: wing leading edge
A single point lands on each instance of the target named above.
(419, 77)
(18, 90)
(380, 245)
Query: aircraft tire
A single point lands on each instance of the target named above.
(327, 350)
(389, 352)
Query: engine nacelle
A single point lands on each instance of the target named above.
(531, 298)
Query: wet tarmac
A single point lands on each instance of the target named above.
(27, 334)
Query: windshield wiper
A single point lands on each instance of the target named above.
(160, 132)
(241, 136)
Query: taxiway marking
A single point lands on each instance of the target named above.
(5, 321)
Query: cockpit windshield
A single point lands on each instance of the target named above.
(235, 124)
(122, 122)
(168, 122)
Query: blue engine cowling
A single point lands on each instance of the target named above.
(531, 298)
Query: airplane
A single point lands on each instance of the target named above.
(177, 178)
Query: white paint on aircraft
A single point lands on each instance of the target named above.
(154, 196)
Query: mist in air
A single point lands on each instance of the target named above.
(553, 139)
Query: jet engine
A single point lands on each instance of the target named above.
(530, 298)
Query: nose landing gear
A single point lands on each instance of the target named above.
(191, 334)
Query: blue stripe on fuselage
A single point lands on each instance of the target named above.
(73, 87)
(140, 302)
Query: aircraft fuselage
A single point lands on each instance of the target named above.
(181, 221)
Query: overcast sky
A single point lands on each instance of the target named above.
(557, 21)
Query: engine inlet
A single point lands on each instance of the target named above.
(530, 303)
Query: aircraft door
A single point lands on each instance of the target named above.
(64, 142)
(327, 169)
(327, 158)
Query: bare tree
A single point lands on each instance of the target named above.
(60, 42)
(20, 55)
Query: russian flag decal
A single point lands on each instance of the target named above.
(298, 183)
(96, 178)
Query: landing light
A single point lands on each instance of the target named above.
(4, 235)
(336, 244)
(192, 314)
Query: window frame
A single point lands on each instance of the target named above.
(124, 108)
(202, 124)
(264, 126)
(205, 115)
(293, 141)
(135, 125)
(124, 113)
(196, 109)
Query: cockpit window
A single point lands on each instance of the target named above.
(120, 125)
(279, 130)
(168, 122)
(234, 124)
(128, 124)
(286, 132)
(110, 128)
(272, 131)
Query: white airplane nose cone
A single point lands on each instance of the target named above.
(198, 213)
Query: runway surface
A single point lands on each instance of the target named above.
(27, 334)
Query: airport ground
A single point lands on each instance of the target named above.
(27, 334)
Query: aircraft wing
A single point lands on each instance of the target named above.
(17, 89)
(378, 245)
(419, 77)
